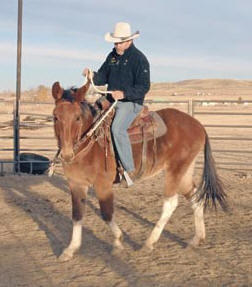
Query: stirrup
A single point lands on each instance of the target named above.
(128, 179)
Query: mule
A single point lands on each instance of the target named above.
(84, 165)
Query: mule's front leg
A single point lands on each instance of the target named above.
(78, 207)
(107, 210)
(169, 206)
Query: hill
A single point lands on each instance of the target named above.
(210, 89)
(206, 89)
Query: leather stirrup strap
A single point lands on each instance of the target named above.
(144, 155)
(154, 144)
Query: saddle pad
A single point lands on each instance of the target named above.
(150, 127)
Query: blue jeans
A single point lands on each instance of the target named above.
(125, 113)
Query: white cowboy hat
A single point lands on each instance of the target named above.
(122, 33)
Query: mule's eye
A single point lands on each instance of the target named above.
(55, 118)
(78, 119)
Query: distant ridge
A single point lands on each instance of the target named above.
(203, 88)
(199, 88)
(207, 82)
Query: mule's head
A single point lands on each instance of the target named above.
(72, 118)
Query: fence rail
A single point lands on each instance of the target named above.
(190, 106)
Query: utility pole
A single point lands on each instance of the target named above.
(16, 118)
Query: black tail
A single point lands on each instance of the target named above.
(211, 189)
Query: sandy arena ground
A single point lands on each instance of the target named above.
(35, 214)
(35, 225)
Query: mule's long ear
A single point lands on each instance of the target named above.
(57, 91)
(80, 94)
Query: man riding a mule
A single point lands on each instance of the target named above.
(126, 71)
(88, 161)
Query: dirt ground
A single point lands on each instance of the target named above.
(35, 214)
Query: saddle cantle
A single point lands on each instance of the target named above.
(146, 125)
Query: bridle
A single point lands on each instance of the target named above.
(87, 136)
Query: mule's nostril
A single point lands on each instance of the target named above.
(66, 157)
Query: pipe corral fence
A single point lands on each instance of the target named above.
(228, 123)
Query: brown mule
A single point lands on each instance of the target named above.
(84, 165)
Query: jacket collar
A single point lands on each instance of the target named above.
(126, 52)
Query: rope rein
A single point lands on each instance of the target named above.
(93, 85)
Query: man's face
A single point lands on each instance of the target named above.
(122, 46)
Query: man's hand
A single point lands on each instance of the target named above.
(117, 95)
(88, 73)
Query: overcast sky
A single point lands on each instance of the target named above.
(183, 39)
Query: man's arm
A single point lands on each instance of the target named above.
(142, 82)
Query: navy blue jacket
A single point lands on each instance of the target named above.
(129, 73)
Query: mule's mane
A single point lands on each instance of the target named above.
(68, 96)
(87, 106)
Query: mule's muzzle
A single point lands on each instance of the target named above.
(66, 157)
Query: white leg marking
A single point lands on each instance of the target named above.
(200, 232)
(168, 207)
(75, 242)
(117, 233)
(76, 236)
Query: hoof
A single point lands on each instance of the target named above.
(118, 243)
(144, 251)
(148, 246)
(195, 242)
(116, 251)
(117, 248)
(65, 256)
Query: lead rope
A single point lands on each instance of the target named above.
(52, 166)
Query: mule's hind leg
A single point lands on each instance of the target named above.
(78, 206)
(188, 189)
(169, 206)
(198, 211)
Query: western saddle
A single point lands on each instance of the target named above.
(147, 126)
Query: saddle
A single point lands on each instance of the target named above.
(147, 126)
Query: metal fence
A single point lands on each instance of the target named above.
(207, 109)
(237, 137)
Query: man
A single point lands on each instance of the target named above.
(126, 71)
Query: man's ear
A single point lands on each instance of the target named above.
(80, 94)
(57, 91)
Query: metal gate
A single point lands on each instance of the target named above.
(228, 123)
